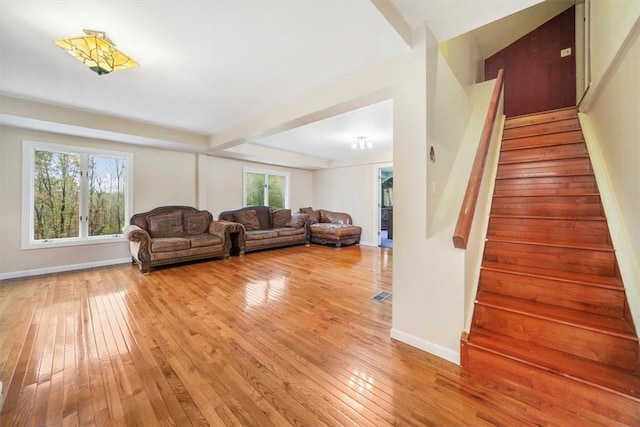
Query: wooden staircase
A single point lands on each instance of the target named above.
(551, 312)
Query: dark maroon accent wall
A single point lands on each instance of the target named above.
(536, 78)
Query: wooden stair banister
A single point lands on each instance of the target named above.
(468, 208)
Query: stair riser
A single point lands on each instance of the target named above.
(563, 206)
(546, 186)
(549, 230)
(540, 118)
(553, 389)
(590, 299)
(565, 151)
(545, 168)
(542, 140)
(565, 125)
(597, 346)
(600, 263)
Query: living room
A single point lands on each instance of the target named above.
(431, 108)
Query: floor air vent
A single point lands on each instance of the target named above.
(381, 296)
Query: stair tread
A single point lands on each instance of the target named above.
(542, 113)
(542, 144)
(565, 276)
(537, 134)
(595, 322)
(581, 369)
(542, 159)
(562, 196)
(552, 218)
(603, 247)
(555, 175)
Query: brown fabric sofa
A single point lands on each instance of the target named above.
(172, 234)
(265, 227)
(328, 227)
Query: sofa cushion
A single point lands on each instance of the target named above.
(260, 235)
(202, 240)
(249, 219)
(165, 225)
(290, 231)
(334, 217)
(297, 220)
(326, 229)
(169, 244)
(196, 222)
(314, 216)
(281, 217)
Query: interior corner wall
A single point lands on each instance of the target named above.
(160, 178)
(463, 56)
(225, 178)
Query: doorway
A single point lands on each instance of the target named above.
(385, 207)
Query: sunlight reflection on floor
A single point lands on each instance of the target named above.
(259, 292)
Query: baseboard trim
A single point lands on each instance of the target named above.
(63, 268)
(368, 244)
(429, 347)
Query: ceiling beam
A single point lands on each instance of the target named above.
(393, 16)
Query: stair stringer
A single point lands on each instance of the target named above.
(627, 260)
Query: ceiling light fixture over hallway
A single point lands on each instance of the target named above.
(96, 51)
(361, 144)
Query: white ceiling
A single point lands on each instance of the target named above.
(207, 65)
(332, 138)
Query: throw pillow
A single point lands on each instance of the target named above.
(297, 220)
(196, 222)
(165, 225)
(281, 217)
(249, 219)
(314, 216)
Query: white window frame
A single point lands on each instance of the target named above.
(28, 157)
(265, 172)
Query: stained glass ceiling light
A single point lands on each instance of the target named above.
(96, 51)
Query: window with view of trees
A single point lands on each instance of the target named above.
(265, 188)
(73, 194)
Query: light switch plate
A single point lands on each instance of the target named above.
(565, 52)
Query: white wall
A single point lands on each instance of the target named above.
(448, 111)
(224, 184)
(428, 272)
(611, 124)
(611, 22)
(160, 178)
(463, 56)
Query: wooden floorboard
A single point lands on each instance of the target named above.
(281, 337)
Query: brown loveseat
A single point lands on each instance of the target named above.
(328, 227)
(173, 234)
(264, 227)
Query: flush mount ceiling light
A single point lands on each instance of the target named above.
(361, 144)
(96, 51)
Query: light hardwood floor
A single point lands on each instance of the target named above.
(281, 337)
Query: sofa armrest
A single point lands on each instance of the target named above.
(139, 242)
(136, 234)
(232, 234)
